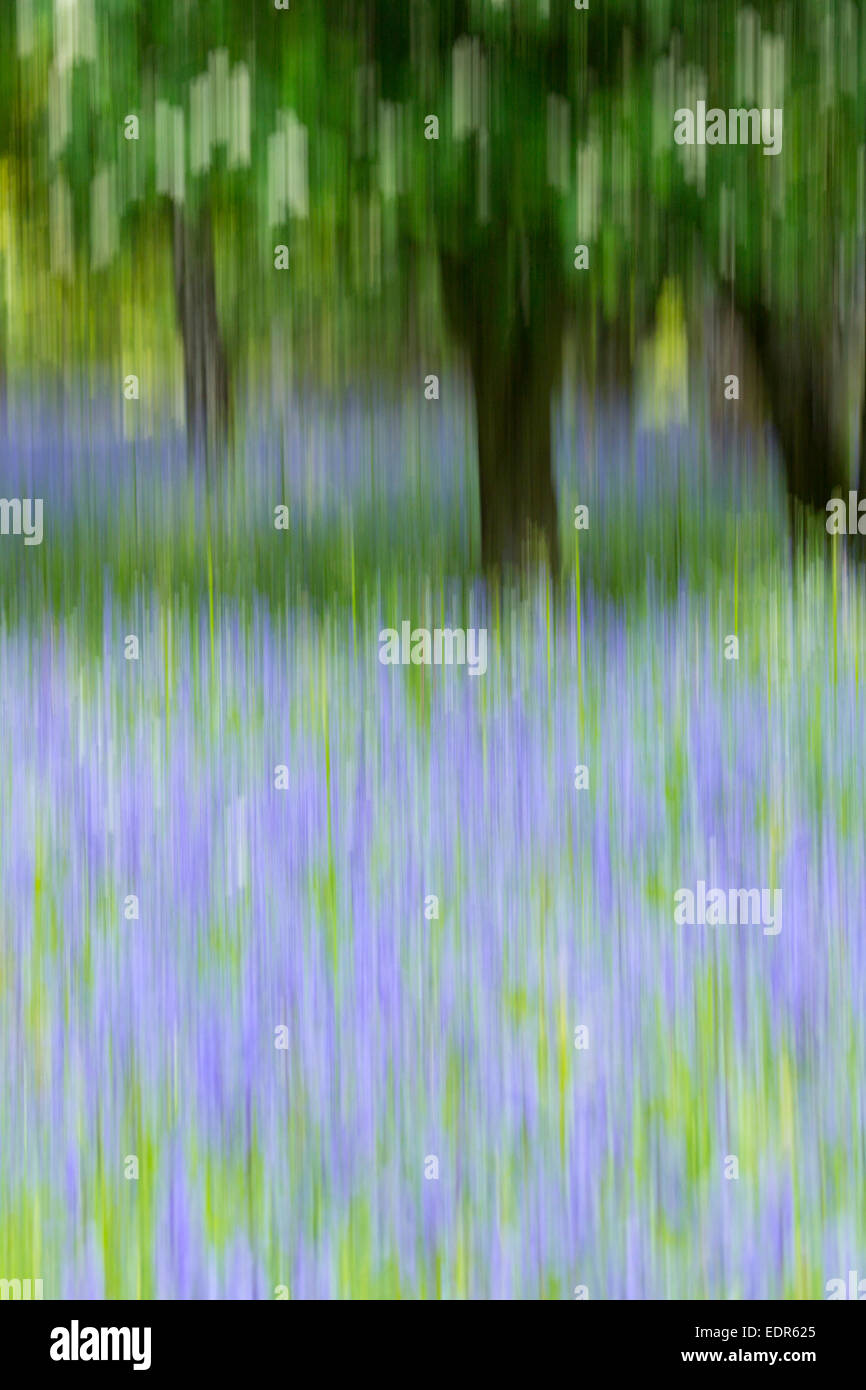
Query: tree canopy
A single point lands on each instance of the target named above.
(442, 158)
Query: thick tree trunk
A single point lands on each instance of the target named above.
(799, 396)
(206, 381)
(503, 306)
(515, 459)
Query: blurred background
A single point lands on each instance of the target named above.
(316, 319)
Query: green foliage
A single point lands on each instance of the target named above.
(545, 114)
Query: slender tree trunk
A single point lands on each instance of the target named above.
(858, 543)
(4, 349)
(861, 467)
(206, 380)
(502, 303)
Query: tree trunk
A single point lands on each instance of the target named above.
(206, 381)
(4, 349)
(799, 396)
(517, 491)
(861, 467)
(502, 303)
